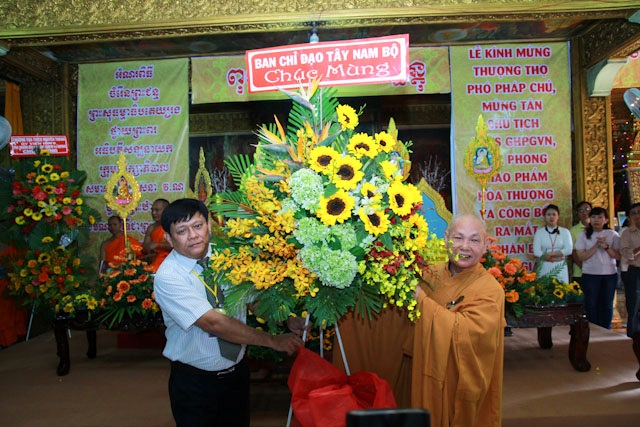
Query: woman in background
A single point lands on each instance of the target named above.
(599, 249)
(552, 245)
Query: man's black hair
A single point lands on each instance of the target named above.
(182, 210)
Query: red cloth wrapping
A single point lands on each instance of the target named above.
(321, 394)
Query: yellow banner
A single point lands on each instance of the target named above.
(224, 79)
(523, 94)
(140, 108)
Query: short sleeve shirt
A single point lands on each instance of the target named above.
(183, 300)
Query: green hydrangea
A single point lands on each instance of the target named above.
(310, 231)
(336, 268)
(306, 188)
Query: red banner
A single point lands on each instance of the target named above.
(350, 62)
(25, 145)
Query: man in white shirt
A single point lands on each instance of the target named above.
(206, 388)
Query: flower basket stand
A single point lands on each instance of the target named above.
(544, 318)
(62, 324)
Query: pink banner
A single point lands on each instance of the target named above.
(350, 62)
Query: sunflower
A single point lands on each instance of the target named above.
(335, 208)
(389, 169)
(362, 144)
(403, 197)
(385, 141)
(416, 231)
(347, 117)
(41, 179)
(321, 158)
(346, 173)
(558, 293)
(47, 168)
(375, 223)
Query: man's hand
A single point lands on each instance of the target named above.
(287, 343)
(297, 325)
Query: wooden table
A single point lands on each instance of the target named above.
(546, 317)
(63, 323)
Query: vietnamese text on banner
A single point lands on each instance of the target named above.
(522, 92)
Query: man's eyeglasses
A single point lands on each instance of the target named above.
(584, 209)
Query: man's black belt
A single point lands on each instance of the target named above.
(188, 369)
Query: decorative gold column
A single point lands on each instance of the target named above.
(633, 166)
(598, 167)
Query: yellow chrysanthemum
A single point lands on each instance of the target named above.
(64, 174)
(66, 200)
(321, 158)
(336, 208)
(79, 201)
(362, 144)
(403, 197)
(347, 117)
(375, 223)
(346, 173)
(386, 141)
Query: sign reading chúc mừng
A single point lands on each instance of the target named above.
(26, 145)
(349, 62)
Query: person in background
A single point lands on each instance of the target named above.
(113, 249)
(599, 249)
(630, 253)
(583, 209)
(207, 385)
(459, 338)
(552, 244)
(155, 245)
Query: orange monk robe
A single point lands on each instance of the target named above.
(116, 249)
(458, 352)
(381, 345)
(157, 235)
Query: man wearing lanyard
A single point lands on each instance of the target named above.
(209, 384)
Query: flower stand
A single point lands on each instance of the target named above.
(61, 326)
(544, 318)
(149, 328)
